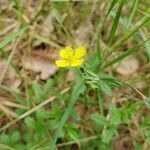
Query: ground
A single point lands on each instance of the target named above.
(101, 102)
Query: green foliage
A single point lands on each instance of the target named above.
(102, 81)
(117, 28)
(72, 131)
(78, 88)
(115, 22)
(40, 125)
(38, 93)
(114, 118)
(145, 127)
(11, 139)
(121, 57)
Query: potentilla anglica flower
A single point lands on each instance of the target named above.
(71, 57)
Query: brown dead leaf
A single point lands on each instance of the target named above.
(11, 79)
(70, 76)
(49, 53)
(47, 26)
(82, 32)
(8, 112)
(123, 143)
(80, 109)
(7, 105)
(128, 66)
(141, 85)
(39, 65)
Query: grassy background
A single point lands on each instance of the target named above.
(43, 107)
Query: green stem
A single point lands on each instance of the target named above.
(100, 101)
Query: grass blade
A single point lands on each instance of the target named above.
(44, 40)
(78, 89)
(113, 3)
(147, 44)
(121, 57)
(133, 31)
(12, 36)
(142, 34)
(115, 23)
(100, 26)
(134, 7)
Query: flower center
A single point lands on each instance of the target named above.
(71, 60)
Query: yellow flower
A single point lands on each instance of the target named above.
(70, 57)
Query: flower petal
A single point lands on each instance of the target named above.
(77, 62)
(62, 63)
(66, 53)
(80, 52)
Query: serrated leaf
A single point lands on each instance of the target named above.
(99, 119)
(73, 134)
(4, 138)
(30, 122)
(115, 115)
(108, 135)
(78, 88)
(15, 136)
(41, 114)
(105, 88)
(47, 87)
(38, 92)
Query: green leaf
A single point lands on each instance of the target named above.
(113, 3)
(137, 146)
(38, 92)
(145, 127)
(15, 137)
(4, 138)
(115, 115)
(147, 44)
(105, 88)
(42, 114)
(19, 11)
(140, 24)
(30, 122)
(56, 14)
(73, 134)
(147, 102)
(99, 119)
(89, 76)
(12, 36)
(93, 60)
(78, 88)
(27, 136)
(133, 10)
(121, 57)
(109, 80)
(108, 135)
(99, 51)
(47, 87)
(115, 23)
(128, 110)
(30, 96)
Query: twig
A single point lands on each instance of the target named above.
(84, 140)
